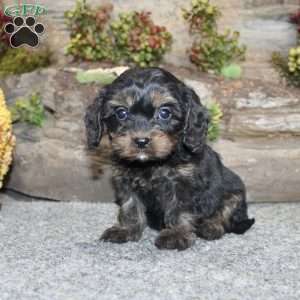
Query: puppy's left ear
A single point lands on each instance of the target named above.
(196, 122)
(94, 121)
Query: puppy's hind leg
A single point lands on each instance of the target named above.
(235, 214)
(231, 218)
(132, 222)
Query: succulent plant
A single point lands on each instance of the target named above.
(139, 40)
(232, 71)
(211, 50)
(288, 67)
(294, 60)
(132, 37)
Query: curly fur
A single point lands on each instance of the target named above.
(177, 184)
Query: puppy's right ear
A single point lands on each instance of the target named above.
(93, 121)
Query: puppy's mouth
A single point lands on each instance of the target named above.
(142, 156)
(156, 146)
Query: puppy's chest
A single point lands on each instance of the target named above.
(150, 180)
(160, 181)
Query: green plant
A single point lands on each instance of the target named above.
(202, 17)
(132, 37)
(216, 114)
(288, 67)
(211, 50)
(90, 39)
(21, 60)
(139, 40)
(29, 110)
(232, 71)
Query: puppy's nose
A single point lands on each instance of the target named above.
(142, 142)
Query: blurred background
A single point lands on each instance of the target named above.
(241, 57)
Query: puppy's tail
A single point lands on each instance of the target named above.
(241, 226)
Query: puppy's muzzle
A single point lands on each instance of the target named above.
(141, 143)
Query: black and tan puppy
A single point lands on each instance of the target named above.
(166, 176)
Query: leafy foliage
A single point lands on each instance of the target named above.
(88, 31)
(29, 110)
(211, 50)
(202, 17)
(139, 40)
(215, 119)
(4, 38)
(132, 37)
(288, 68)
(21, 60)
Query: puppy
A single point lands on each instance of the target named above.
(165, 175)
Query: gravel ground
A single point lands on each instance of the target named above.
(50, 251)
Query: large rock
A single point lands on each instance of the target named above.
(52, 161)
(270, 170)
(260, 115)
(57, 170)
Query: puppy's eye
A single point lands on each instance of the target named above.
(121, 113)
(164, 113)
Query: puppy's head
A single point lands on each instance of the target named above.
(147, 113)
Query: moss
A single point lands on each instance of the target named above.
(29, 110)
(21, 60)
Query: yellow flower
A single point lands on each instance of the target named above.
(7, 140)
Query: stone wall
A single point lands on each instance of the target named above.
(242, 15)
(260, 138)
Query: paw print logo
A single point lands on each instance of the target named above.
(24, 31)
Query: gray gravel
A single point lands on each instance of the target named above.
(50, 251)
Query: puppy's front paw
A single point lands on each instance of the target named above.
(174, 239)
(116, 234)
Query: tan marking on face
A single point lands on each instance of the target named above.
(186, 170)
(160, 146)
(160, 98)
(162, 143)
(122, 145)
(122, 100)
